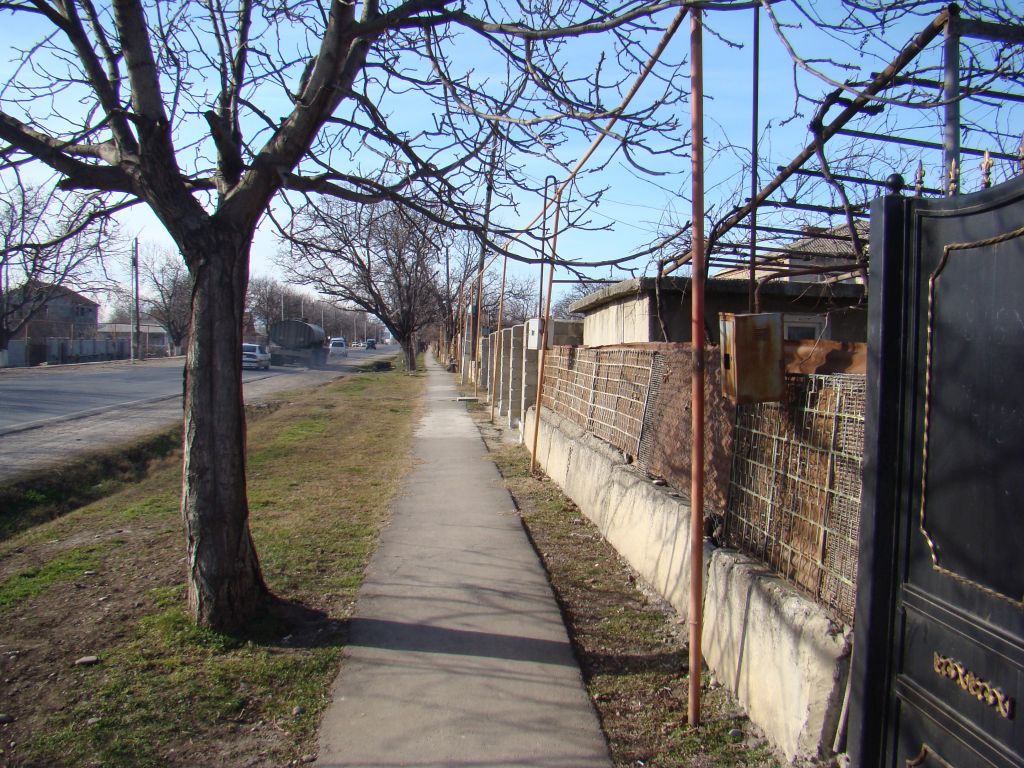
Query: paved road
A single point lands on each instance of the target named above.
(53, 414)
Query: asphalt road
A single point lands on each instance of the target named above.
(51, 414)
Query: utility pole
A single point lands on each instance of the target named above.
(134, 319)
(4, 356)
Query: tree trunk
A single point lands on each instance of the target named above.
(409, 352)
(225, 585)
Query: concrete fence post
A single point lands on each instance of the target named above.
(515, 383)
(504, 372)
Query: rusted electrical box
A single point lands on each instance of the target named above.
(753, 370)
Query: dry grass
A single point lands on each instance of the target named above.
(107, 580)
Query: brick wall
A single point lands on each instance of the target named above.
(665, 436)
(670, 423)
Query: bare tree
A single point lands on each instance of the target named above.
(268, 300)
(205, 112)
(519, 303)
(47, 243)
(263, 301)
(575, 292)
(170, 299)
(381, 258)
(120, 305)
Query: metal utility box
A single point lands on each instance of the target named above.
(753, 370)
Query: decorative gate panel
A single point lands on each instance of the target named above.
(938, 660)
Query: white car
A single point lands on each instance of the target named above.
(255, 356)
(338, 348)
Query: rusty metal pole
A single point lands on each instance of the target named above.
(460, 325)
(951, 97)
(696, 617)
(754, 156)
(466, 325)
(543, 340)
(497, 334)
(483, 268)
(549, 179)
(476, 333)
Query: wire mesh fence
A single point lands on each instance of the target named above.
(795, 486)
(607, 392)
(795, 481)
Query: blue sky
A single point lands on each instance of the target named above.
(636, 207)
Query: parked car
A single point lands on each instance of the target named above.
(371, 344)
(338, 348)
(255, 356)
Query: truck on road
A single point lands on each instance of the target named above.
(297, 342)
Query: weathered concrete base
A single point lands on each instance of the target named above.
(777, 651)
(773, 647)
(646, 525)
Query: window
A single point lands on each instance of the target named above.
(804, 327)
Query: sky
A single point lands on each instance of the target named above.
(635, 208)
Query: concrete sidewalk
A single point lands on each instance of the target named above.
(457, 654)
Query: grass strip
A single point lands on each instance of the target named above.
(323, 468)
(35, 580)
(48, 495)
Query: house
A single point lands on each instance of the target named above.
(822, 254)
(153, 338)
(44, 322)
(63, 314)
(646, 310)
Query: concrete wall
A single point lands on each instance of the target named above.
(484, 365)
(647, 525)
(567, 333)
(504, 371)
(530, 360)
(493, 363)
(17, 354)
(561, 333)
(774, 648)
(844, 323)
(627, 312)
(515, 379)
(777, 651)
(623, 321)
(466, 365)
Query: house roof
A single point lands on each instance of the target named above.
(822, 240)
(715, 286)
(55, 291)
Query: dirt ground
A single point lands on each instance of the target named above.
(42, 639)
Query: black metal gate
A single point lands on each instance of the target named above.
(938, 660)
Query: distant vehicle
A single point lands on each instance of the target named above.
(338, 348)
(298, 343)
(371, 344)
(255, 356)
